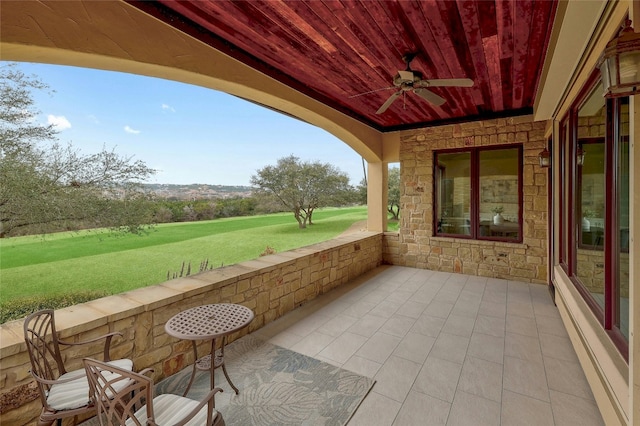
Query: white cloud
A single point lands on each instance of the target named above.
(130, 130)
(59, 122)
(93, 119)
(168, 108)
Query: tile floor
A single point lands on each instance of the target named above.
(446, 349)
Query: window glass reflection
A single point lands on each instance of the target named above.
(590, 195)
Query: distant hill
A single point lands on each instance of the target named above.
(198, 191)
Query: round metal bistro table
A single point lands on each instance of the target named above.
(209, 322)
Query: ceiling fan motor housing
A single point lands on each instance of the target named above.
(406, 79)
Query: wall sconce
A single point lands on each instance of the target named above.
(620, 64)
(580, 155)
(545, 158)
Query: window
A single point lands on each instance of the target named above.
(479, 193)
(594, 206)
(590, 194)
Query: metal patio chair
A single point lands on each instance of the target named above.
(63, 393)
(117, 392)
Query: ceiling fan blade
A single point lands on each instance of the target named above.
(372, 91)
(389, 101)
(450, 82)
(429, 96)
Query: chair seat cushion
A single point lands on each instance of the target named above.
(75, 393)
(169, 409)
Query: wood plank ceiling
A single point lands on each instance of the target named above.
(332, 50)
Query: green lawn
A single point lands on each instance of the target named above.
(67, 262)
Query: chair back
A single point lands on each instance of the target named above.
(116, 392)
(42, 345)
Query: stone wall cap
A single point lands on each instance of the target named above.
(154, 296)
(116, 307)
(12, 338)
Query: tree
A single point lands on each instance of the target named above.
(46, 186)
(393, 194)
(303, 186)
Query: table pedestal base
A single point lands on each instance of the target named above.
(204, 364)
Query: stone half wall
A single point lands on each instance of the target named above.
(418, 247)
(271, 286)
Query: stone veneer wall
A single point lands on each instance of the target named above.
(271, 286)
(417, 245)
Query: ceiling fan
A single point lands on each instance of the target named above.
(411, 81)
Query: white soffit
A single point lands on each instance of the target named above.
(576, 28)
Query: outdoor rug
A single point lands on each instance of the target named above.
(277, 387)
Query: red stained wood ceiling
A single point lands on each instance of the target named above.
(333, 50)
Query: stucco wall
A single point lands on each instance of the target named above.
(271, 286)
(417, 246)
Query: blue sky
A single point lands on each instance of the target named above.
(188, 133)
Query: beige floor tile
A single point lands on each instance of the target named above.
(476, 285)
(521, 410)
(368, 325)
(428, 325)
(385, 309)
(546, 310)
(415, 347)
(307, 325)
(285, 339)
(557, 347)
(438, 378)
(376, 409)
(493, 326)
(411, 285)
(466, 308)
(446, 349)
(337, 325)
(425, 294)
(551, 325)
(494, 294)
(329, 361)
(400, 296)
(343, 347)
(447, 295)
(489, 348)
(493, 309)
(468, 409)
(481, 378)
(376, 296)
(398, 325)
(379, 347)
(522, 325)
(313, 344)
(396, 376)
(450, 347)
(412, 309)
(359, 309)
(459, 325)
(567, 377)
(362, 366)
(422, 410)
(572, 410)
(523, 347)
(519, 308)
(525, 377)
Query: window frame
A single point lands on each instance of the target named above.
(475, 192)
(569, 228)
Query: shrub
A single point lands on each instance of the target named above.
(20, 308)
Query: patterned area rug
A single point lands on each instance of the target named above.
(277, 387)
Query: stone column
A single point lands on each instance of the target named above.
(377, 190)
